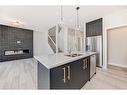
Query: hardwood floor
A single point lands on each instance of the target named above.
(18, 74)
(108, 79)
(22, 74)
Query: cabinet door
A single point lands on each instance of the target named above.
(76, 74)
(88, 29)
(80, 73)
(86, 70)
(0, 44)
(72, 76)
(73, 73)
(58, 78)
(94, 28)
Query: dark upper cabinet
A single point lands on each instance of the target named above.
(94, 28)
(70, 76)
(12, 39)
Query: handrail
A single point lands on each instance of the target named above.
(52, 40)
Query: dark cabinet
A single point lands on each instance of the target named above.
(80, 72)
(86, 70)
(68, 76)
(0, 45)
(58, 78)
(77, 74)
(72, 75)
(94, 28)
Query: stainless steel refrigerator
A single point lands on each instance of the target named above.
(94, 43)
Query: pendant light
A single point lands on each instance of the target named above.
(77, 28)
(61, 15)
(77, 8)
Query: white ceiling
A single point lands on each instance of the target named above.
(41, 18)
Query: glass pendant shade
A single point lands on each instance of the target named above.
(61, 16)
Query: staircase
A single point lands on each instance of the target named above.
(52, 38)
(62, 38)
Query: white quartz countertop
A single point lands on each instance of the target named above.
(54, 60)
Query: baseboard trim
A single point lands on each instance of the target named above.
(110, 66)
(118, 65)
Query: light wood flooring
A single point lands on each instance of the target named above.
(22, 74)
(18, 74)
(107, 79)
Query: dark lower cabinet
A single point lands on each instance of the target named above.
(86, 70)
(68, 76)
(0, 45)
(72, 75)
(58, 79)
(76, 74)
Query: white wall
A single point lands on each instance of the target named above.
(117, 46)
(41, 43)
(116, 19)
(112, 21)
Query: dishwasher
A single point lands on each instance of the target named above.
(92, 65)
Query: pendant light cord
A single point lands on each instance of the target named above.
(61, 13)
(77, 8)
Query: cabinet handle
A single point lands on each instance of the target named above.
(69, 73)
(86, 63)
(83, 64)
(64, 79)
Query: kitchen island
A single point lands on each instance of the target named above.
(60, 71)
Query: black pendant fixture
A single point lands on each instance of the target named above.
(77, 8)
